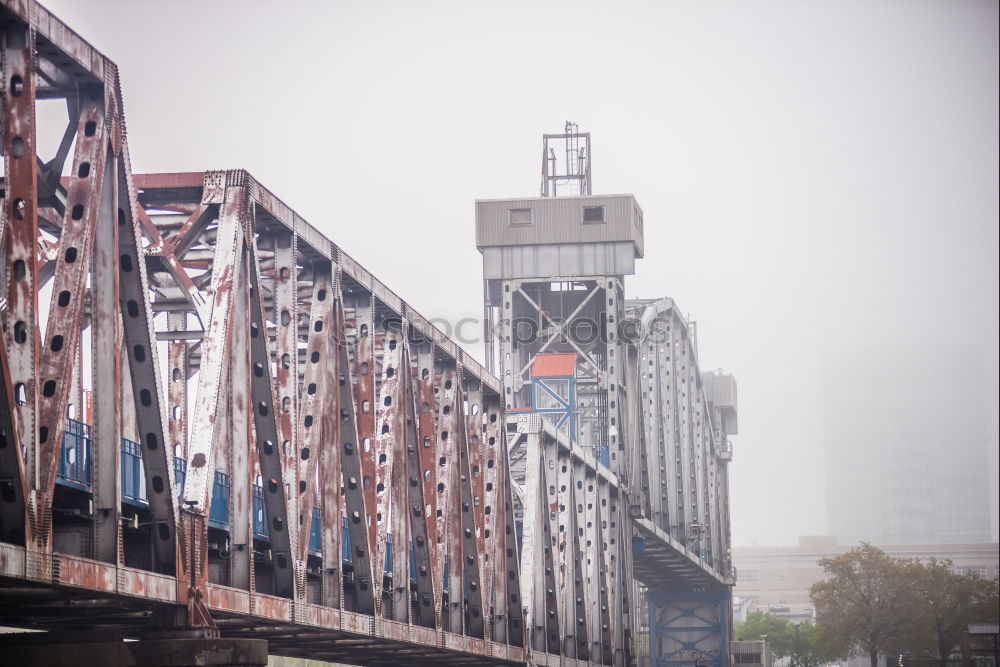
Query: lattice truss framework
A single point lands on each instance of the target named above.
(226, 339)
(209, 323)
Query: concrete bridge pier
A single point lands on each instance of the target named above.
(175, 648)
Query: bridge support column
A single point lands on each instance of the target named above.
(689, 626)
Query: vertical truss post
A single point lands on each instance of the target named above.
(538, 587)
(286, 325)
(415, 505)
(577, 517)
(700, 461)
(13, 489)
(607, 548)
(208, 426)
(470, 418)
(62, 334)
(317, 425)
(20, 234)
(106, 325)
(365, 414)
(241, 474)
(177, 381)
(216, 352)
(588, 531)
(354, 496)
(618, 576)
(656, 379)
(331, 479)
(494, 542)
(399, 596)
(687, 482)
(671, 437)
(515, 624)
(384, 454)
(448, 530)
(281, 531)
(555, 614)
(144, 372)
(427, 550)
(564, 537)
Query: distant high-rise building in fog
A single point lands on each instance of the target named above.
(906, 434)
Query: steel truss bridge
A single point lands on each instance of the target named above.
(216, 426)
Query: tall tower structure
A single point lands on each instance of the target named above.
(554, 270)
(618, 443)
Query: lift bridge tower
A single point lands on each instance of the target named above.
(619, 381)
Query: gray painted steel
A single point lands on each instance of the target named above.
(558, 220)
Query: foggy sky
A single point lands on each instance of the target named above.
(815, 176)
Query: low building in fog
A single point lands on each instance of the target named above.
(778, 579)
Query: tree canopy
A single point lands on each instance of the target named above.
(872, 604)
(798, 643)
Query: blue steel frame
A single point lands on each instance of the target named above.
(698, 634)
(567, 412)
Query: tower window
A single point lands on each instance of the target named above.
(520, 217)
(593, 215)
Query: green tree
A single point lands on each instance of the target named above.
(799, 643)
(866, 605)
(948, 603)
(805, 648)
(760, 623)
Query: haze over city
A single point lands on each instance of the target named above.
(819, 181)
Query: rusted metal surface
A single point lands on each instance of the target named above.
(278, 503)
(228, 599)
(20, 231)
(106, 374)
(84, 573)
(62, 335)
(139, 583)
(318, 388)
(385, 450)
(448, 532)
(469, 429)
(353, 473)
(216, 349)
(429, 554)
(144, 372)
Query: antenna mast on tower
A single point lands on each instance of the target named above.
(569, 177)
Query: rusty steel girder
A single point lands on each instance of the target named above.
(274, 436)
(268, 389)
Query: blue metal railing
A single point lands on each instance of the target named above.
(133, 479)
(180, 474)
(74, 460)
(315, 530)
(259, 517)
(75, 471)
(218, 512)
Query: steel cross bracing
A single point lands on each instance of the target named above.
(212, 417)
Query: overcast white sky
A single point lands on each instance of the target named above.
(815, 176)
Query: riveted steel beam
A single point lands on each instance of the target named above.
(20, 231)
(448, 531)
(144, 373)
(363, 588)
(317, 417)
(469, 430)
(385, 453)
(427, 550)
(106, 374)
(282, 532)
